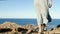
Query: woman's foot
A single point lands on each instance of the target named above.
(40, 29)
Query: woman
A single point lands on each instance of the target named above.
(42, 11)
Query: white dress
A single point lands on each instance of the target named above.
(42, 10)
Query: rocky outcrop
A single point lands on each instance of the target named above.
(13, 28)
(9, 25)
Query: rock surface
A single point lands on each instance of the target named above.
(13, 28)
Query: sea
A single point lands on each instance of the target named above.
(50, 25)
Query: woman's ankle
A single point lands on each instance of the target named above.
(40, 28)
(44, 27)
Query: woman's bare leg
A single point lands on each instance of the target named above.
(45, 27)
(40, 28)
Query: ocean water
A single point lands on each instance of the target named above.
(50, 25)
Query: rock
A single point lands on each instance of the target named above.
(58, 26)
(34, 33)
(16, 32)
(7, 26)
(31, 28)
(10, 27)
(13, 28)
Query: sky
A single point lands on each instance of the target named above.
(25, 9)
